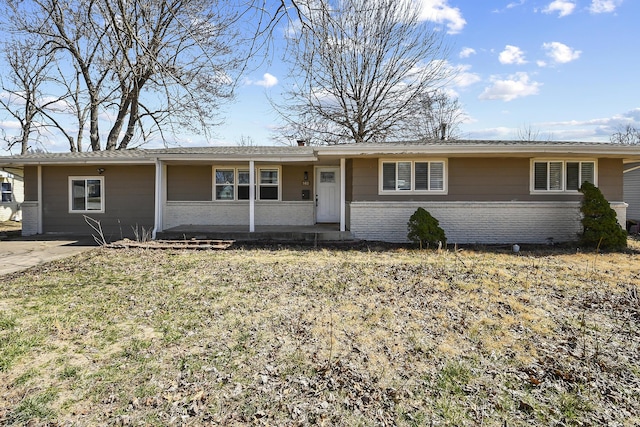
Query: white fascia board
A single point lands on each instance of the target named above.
(237, 158)
(484, 150)
(80, 162)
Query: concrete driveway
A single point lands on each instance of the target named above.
(20, 253)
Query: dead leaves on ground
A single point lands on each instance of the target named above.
(333, 337)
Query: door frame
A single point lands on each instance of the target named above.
(339, 185)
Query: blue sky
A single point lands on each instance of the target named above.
(562, 69)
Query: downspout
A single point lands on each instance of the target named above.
(252, 196)
(158, 200)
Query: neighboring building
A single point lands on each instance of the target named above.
(480, 191)
(11, 193)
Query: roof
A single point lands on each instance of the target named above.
(487, 148)
(448, 148)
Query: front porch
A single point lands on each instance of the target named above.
(241, 233)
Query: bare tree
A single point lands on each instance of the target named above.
(152, 66)
(23, 88)
(358, 65)
(527, 133)
(627, 134)
(435, 116)
(246, 141)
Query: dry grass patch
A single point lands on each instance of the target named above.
(341, 337)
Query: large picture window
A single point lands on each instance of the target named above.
(561, 175)
(86, 194)
(413, 176)
(233, 183)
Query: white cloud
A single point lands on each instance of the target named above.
(268, 80)
(463, 77)
(560, 53)
(467, 52)
(563, 7)
(440, 12)
(515, 4)
(515, 86)
(512, 55)
(604, 6)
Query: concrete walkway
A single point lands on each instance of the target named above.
(20, 253)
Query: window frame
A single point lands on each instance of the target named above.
(258, 182)
(563, 188)
(412, 188)
(4, 192)
(102, 195)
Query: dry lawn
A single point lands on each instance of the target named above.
(297, 336)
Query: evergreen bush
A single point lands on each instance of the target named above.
(599, 221)
(425, 229)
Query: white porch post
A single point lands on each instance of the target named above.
(343, 192)
(252, 196)
(40, 201)
(159, 198)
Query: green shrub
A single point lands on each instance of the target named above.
(425, 229)
(599, 221)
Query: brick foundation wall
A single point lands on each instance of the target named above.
(474, 222)
(231, 213)
(30, 218)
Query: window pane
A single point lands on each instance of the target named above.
(78, 195)
(540, 176)
(243, 192)
(224, 176)
(388, 176)
(437, 176)
(243, 177)
(404, 175)
(94, 193)
(268, 193)
(555, 175)
(269, 176)
(573, 169)
(327, 177)
(588, 172)
(422, 175)
(224, 192)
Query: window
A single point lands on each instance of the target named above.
(413, 176)
(268, 184)
(86, 194)
(559, 175)
(233, 183)
(5, 192)
(225, 188)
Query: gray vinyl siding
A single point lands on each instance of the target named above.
(632, 194)
(194, 182)
(483, 179)
(129, 193)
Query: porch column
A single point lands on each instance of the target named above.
(252, 196)
(159, 198)
(343, 192)
(40, 201)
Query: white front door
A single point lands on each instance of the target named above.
(327, 194)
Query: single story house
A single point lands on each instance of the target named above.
(632, 193)
(480, 191)
(11, 193)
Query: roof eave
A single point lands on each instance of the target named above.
(484, 150)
